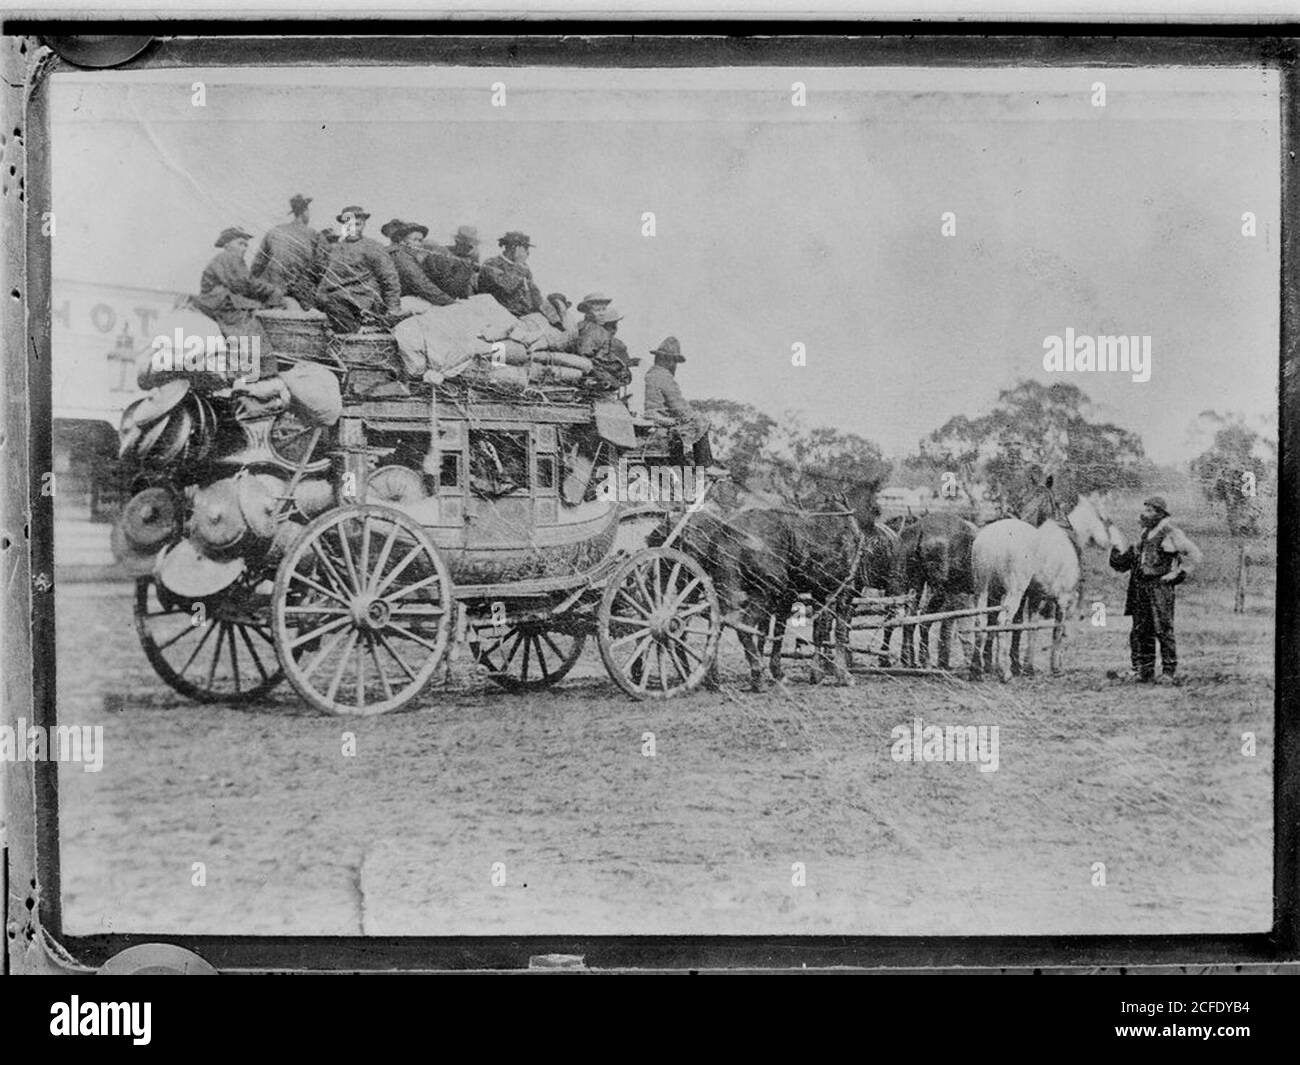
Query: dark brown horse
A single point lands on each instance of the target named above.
(766, 560)
(933, 563)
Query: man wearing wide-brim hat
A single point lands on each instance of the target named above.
(408, 254)
(454, 269)
(598, 341)
(229, 293)
(1163, 557)
(665, 404)
(359, 279)
(508, 278)
(288, 254)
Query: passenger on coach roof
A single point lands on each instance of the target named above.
(609, 358)
(229, 293)
(287, 256)
(508, 278)
(408, 257)
(359, 277)
(455, 269)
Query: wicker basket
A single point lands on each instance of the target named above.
(302, 334)
(368, 351)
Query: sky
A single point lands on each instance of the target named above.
(775, 225)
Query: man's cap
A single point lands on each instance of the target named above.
(558, 297)
(405, 229)
(669, 349)
(298, 202)
(390, 228)
(466, 235)
(514, 238)
(607, 314)
(352, 211)
(591, 299)
(232, 233)
(1157, 503)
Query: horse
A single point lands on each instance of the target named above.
(764, 560)
(933, 563)
(1011, 557)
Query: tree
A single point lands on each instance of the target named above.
(1232, 473)
(741, 434)
(1034, 430)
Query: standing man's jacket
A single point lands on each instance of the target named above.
(286, 258)
(511, 284)
(1157, 552)
(361, 272)
(414, 281)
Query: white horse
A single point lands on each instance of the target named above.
(1015, 563)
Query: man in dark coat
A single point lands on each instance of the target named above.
(359, 278)
(1162, 559)
(609, 358)
(229, 293)
(508, 278)
(287, 255)
(454, 269)
(665, 404)
(407, 250)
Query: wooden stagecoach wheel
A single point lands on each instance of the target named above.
(527, 656)
(659, 624)
(361, 611)
(213, 652)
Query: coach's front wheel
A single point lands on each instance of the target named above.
(659, 624)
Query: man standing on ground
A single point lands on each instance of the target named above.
(1163, 557)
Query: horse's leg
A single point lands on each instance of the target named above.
(923, 630)
(1058, 637)
(1016, 592)
(1031, 639)
(978, 637)
(778, 646)
(842, 620)
(752, 656)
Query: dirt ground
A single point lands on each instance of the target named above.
(595, 837)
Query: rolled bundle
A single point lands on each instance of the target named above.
(562, 358)
(508, 353)
(560, 375)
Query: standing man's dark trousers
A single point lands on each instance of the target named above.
(1153, 621)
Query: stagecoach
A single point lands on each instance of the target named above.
(347, 558)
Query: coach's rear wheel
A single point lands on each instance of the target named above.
(213, 652)
(361, 611)
(659, 624)
(524, 657)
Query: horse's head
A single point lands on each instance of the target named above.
(1089, 519)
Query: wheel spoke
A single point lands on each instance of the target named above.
(346, 546)
(189, 630)
(663, 672)
(234, 659)
(207, 631)
(514, 650)
(528, 649)
(398, 570)
(383, 676)
(361, 669)
(422, 583)
(243, 632)
(328, 563)
(341, 668)
(683, 645)
(403, 631)
(315, 633)
(322, 654)
(638, 607)
(297, 575)
(541, 657)
(685, 592)
(630, 636)
(383, 556)
(400, 660)
(216, 654)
